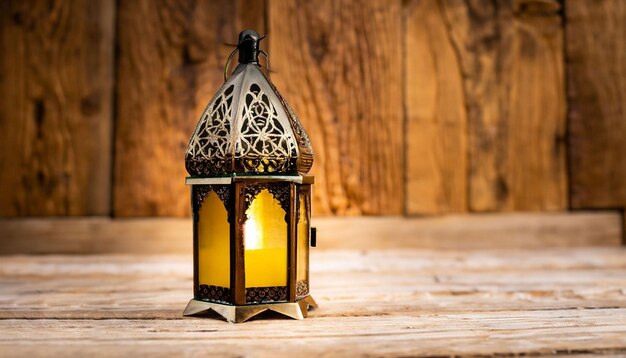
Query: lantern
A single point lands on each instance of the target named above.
(251, 201)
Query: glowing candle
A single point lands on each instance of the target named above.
(265, 241)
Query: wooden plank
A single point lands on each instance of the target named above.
(400, 302)
(502, 333)
(511, 56)
(436, 138)
(596, 72)
(55, 107)
(484, 231)
(104, 235)
(381, 283)
(339, 64)
(171, 61)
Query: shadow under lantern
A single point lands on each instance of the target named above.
(251, 202)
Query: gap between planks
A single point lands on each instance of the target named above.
(345, 283)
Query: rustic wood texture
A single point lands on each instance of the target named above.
(415, 106)
(596, 68)
(56, 82)
(170, 64)
(436, 117)
(511, 57)
(374, 303)
(485, 231)
(339, 64)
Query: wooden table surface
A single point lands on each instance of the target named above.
(379, 302)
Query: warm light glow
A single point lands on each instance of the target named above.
(265, 241)
(303, 242)
(252, 233)
(213, 243)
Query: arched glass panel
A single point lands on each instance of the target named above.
(265, 242)
(213, 243)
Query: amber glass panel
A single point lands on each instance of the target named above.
(213, 243)
(303, 241)
(265, 241)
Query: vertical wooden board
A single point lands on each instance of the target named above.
(436, 136)
(511, 55)
(56, 80)
(339, 64)
(596, 72)
(170, 64)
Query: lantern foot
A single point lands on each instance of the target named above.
(238, 314)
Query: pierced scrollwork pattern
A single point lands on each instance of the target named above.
(305, 161)
(213, 293)
(302, 289)
(266, 294)
(222, 191)
(264, 145)
(249, 128)
(201, 192)
(281, 192)
(250, 192)
(208, 151)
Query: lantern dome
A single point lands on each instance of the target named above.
(248, 127)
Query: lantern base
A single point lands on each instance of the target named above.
(238, 314)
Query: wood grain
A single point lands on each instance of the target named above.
(170, 64)
(56, 82)
(511, 56)
(560, 332)
(436, 127)
(596, 69)
(416, 106)
(339, 64)
(149, 236)
(382, 303)
(430, 280)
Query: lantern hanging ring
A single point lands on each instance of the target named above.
(230, 57)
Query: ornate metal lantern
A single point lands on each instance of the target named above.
(251, 202)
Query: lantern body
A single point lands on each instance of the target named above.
(251, 201)
(251, 239)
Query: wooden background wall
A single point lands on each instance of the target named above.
(413, 107)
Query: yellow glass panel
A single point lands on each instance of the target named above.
(213, 243)
(303, 242)
(265, 241)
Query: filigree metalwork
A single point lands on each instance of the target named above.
(208, 151)
(280, 192)
(214, 293)
(222, 192)
(200, 193)
(250, 192)
(248, 128)
(305, 159)
(302, 288)
(266, 294)
(263, 146)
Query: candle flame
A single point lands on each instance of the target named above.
(252, 234)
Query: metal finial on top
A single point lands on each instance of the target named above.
(249, 49)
